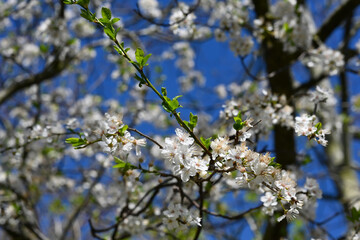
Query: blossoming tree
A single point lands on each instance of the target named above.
(258, 156)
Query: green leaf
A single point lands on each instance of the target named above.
(106, 13)
(117, 30)
(140, 79)
(174, 104)
(72, 140)
(87, 15)
(145, 59)
(124, 166)
(83, 3)
(193, 121)
(139, 55)
(123, 129)
(118, 50)
(251, 197)
(239, 124)
(76, 142)
(115, 20)
(44, 48)
(57, 207)
(110, 32)
(274, 164)
(104, 21)
(206, 142)
(69, 2)
(163, 91)
(306, 160)
(318, 126)
(354, 215)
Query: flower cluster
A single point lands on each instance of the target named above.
(150, 8)
(259, 103)
(232, 15)
(241, 45)
(186, 63)
(329, 61)
(182, 21)
(184, 157)
(322, 95)
(115, 138)
(305, 126)
(177, 217)
(258, 172)
(294, 27)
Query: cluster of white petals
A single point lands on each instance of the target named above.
(178, 218)
(329, 61)
(186, 63)
(305, 126)
(231, 16)
(114, 142)
(182, 21)
(293, 26)
(259, 103)
(183, 156)
(257, 172)
(150, 8)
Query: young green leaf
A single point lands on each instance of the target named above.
(87, 15)
(192, 122)
(123, 129)
(72, 140)
(106, 13)
(274, 164)
(139, 55)
(83, 3)
(124, 166)
(118, 50)
(110, 32)
(239, 124)
(318, 126)
(69, 2)
(145, 59)
(206, 142)
(115, 20)
(163, 91)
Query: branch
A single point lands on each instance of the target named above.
(50, 71)
(309, 84)
(78, 210)
(146, 136)
(336, 18)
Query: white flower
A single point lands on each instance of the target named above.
(173, 211)
(182, 24)
(328, 60)
(185, 171)
(150, 8)
(139, 143)
(304, 125)
(183, 137)
(220, 147)
(290, 214)
(320, 95)
(241, 45)
(269, 200)
(108, 145)
(244, 135)
(200, 164)
(171, 223)
(313, 188)
(237, 153)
